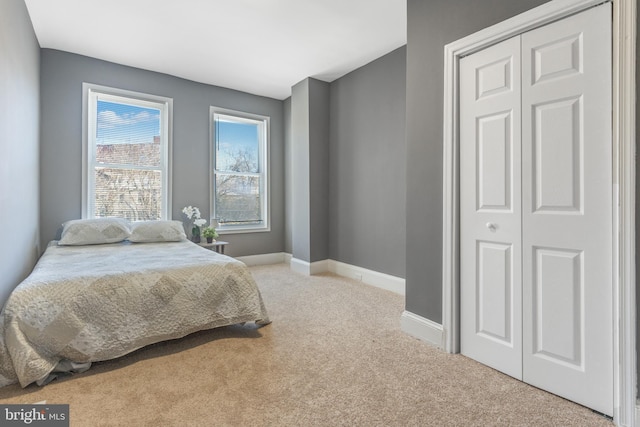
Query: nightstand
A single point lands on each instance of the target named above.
(216, 245)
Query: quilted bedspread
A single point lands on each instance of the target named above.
(91, 303)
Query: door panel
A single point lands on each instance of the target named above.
(557, 59)
(566, 208)
(490, 207)
(494, 305)
(557, 309)
(557, 156)
(493, 166)
(494, 77)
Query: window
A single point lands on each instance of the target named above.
(126, 154)
(240, 183)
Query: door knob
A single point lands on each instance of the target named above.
(491, 226)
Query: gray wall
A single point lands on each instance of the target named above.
(61, 145)
(19, 136)
(368, 166)
(288, 205)
(299, 178)
(309, 170)
(430, 26)
(319, 169)
(346, 202)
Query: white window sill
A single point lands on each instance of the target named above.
(240, 229)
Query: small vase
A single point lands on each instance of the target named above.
(209, 239)
(195, 234)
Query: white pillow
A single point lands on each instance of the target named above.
(94, 231)
(157, 231)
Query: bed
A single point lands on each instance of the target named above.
(88, 303)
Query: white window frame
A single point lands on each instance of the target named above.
(263, 167)
(91, 93)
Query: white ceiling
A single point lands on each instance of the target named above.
(257, 46)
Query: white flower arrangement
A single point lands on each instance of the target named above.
(193, 213)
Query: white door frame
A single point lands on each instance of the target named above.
(623, 181)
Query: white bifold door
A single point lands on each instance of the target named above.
(536, 208)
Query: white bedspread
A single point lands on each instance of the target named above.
(99, 302)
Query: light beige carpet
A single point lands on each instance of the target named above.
(333, 356)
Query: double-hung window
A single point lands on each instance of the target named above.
(126, 154)
(239, 172)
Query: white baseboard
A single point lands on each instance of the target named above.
(287, 258)
(309, 268)
(264, 259)
(423, 329)
(370, 277)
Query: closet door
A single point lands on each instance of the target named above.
(566, 207)
(535, 208)
(490, 207)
